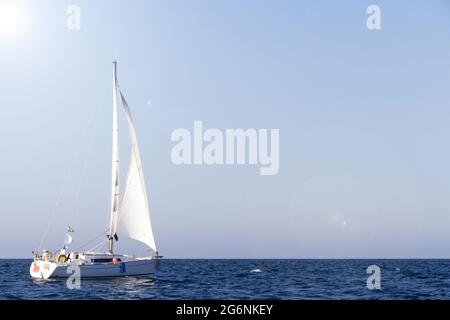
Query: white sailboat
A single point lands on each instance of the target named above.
(129, 217)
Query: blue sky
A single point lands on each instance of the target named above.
(363, 118)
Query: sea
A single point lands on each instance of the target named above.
(285, 279)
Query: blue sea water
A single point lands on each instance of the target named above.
(244, 279)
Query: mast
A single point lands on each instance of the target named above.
(115, 163)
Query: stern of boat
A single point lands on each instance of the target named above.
(42, 269)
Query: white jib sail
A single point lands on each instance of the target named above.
(134, 214)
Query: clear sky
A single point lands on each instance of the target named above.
(363, 118)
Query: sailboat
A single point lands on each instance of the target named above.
(129, 217)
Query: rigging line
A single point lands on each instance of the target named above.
(63, 187)
(92, 240)
(102, 244)
(93, 125)
(53, 212)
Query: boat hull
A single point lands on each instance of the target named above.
(50, 270)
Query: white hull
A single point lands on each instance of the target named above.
(49, 270)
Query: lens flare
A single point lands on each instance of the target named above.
(11, 18)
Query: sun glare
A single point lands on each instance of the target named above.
(11, 18)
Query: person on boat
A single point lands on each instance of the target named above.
(46, 255)
(115, 260)
(35, 255)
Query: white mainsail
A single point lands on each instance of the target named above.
(133, 219)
